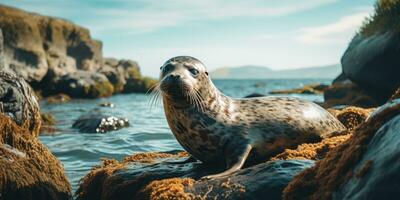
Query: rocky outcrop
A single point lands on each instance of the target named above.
(18, 101)
(38, 46)
(84, 84)
(372, 62)
(148, 176)
(371, 59)
(97, 122)
(27, 168)
(57, 56)
(365, 166)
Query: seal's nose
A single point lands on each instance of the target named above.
(174, 77)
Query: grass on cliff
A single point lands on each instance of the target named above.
(386, 17)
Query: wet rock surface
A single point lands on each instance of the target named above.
(138, 177)
(98, 122)
(18, 102)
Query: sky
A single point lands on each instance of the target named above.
(279, 34)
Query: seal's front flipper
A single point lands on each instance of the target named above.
(235, 161)
(189, 159)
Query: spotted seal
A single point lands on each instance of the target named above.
(218, 129)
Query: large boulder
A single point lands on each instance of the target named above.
(372, 57)
(149, 176)
(373, 62)
(37, 46)
(18, 101)
(364, 167)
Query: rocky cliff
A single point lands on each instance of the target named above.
(55, 55)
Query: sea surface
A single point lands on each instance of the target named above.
(148, 130)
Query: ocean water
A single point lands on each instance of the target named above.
(148, 130)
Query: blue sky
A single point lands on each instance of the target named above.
(280, 34)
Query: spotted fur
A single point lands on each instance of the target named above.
(218, 129)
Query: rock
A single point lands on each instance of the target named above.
(58, 98)
(18, 101)
(307, 89)
(97, 122)
(28, 170)
(118, 72)
(254, 95)
(146, 176)
(142, 85)
(340, 79)
(51, 53)
(371, 59)
(348, 93)
(84, 84)
(372, 62)
(37, 46)
(377, 173)
(364, 167)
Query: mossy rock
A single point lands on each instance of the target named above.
(142, 85)
(100, 89)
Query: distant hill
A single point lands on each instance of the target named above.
(260, 72)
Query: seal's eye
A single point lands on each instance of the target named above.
(166, 68)
(194, 71)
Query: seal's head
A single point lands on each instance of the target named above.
(182, 77)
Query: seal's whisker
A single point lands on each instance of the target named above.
(200, 100)
(152, 88)
(155, 96)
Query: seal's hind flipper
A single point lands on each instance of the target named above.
(234, 162)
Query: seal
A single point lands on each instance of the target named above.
(217, 129)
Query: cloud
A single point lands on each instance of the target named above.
(339, 31)
(150, 15)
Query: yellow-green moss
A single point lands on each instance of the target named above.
(100, 89)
